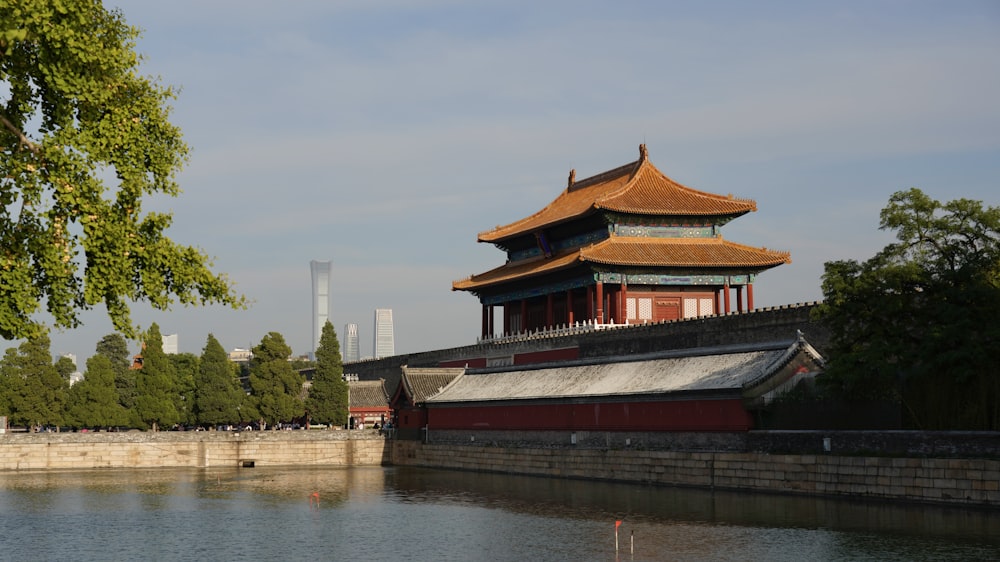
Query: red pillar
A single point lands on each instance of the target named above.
(716, 303)
(749, 296)
(569, 307)
(506, 318)
(725, 294)
(524, 316)
(623, 304)
(739, 298)
(486, 320)
(600, 302)
(490, 327)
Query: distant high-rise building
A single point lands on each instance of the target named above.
(321, 305)
(352, 347)
(170, 344)
(385, 346)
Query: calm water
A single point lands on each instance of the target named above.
(414, 514)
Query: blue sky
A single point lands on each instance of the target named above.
(385, 135)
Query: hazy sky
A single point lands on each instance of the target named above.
(385, 136)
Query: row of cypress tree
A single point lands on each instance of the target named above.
(171, 390)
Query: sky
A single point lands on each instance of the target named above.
(385, 135)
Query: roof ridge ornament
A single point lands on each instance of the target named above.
(572, 178)
(643, 153)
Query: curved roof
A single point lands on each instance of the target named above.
(750, 370)
(419, 383)
(367, 394)
(713, 253)
(635, 188)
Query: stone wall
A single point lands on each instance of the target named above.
(200, 449)
(952, 481)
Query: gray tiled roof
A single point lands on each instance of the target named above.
(729, 370)
(367, 394)
(421, 383)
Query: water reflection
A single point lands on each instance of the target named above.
(391, 513)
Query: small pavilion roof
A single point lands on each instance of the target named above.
(747, 370)
(420, 383)
(636, 252)
(367, 394)
(635, 188)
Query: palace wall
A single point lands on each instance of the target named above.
(761, 325)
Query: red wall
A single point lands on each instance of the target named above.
(678, 415)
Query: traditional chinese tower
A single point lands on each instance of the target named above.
(629, 245)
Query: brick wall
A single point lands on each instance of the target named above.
(75, 451)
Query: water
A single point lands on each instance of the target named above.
(404, 513)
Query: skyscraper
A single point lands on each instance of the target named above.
(352, 347)
(321, 305)
(384, 344)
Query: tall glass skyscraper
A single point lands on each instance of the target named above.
(384, 344)
(352, 347)
(321, 305)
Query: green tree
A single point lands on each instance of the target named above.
(11, 385)
(185, 369)
(328, 397)
(275, 385)
(93, 402)
(40, 393)
(218, 396)
(65, 367)
(84, 137)
(917, 322)
(156, 384)
(115, 349)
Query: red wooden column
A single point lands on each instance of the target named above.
(486, 320)
(524, 315)
(569, 307)
(623, 304)
(600, 302)
(749, 296)
(717, 302)
(549, 321)
(725, 294)
(506, 318)
(739, 298)
(490, 327)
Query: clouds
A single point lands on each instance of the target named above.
(385, 135)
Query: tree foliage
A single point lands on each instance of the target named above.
(918, 321)
(275, 385)
(115, 349)
(36, 394)
(218, 397)
(93, 402)
(155, 403)
(84, 138)
(328, 396)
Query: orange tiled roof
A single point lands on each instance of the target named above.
(635, 188)
(638, 252)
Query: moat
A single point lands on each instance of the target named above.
(379, 513)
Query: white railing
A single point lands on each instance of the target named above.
(553, 331)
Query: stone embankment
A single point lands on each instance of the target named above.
(970, 477)
(191, 449)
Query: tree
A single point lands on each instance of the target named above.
(218, 396)
(185, 369)
(65, 367)
(93, 402)
(328, 397)
(275, 385)
(75, 113)
(156, 384)
(115, 349)
(39, 393)
(917, 322)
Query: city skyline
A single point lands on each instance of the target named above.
(818, 112)
(384, 342)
